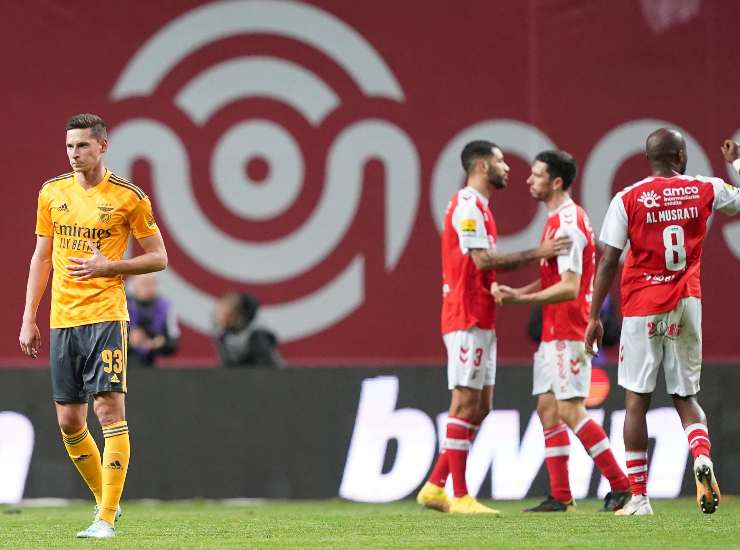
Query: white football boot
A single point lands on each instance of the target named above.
(707, 490)
(99, 529)
(638, 505)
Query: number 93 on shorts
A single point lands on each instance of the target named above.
(471, 358)
(87, 360)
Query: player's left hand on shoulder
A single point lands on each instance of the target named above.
(96, 265)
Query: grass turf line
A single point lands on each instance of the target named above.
(336, 524)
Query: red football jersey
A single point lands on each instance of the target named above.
(665, 221)
(466, 290)
(568, 320)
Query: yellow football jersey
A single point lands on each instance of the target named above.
(105, 215)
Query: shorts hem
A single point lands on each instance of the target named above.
(479, 388)
(68, 401)
(636, 389)
(683, 394)
(97, 391)
(565, 397)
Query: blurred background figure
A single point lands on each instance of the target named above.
(153, 329)
(239, 342)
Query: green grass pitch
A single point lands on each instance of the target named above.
(337, 524)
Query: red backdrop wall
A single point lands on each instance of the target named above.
(366, 96)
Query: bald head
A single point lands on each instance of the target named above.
(666, 149)
(144, 286)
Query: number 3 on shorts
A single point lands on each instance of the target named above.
(113, 360)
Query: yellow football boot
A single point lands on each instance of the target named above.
(469, 505)
(434, 497)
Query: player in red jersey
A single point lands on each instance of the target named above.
(562, 368)
(664, 218)
(469, 259)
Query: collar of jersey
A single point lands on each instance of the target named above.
(565, 203)
(100, 184)
(476, 193)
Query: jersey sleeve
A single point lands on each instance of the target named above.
(573, 260)
(44, 227)
(468, 221)
(141, 219)
(726, 197)
(614, 228)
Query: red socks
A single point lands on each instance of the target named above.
(441, 469)
(596, 442)
(698, 437)
(557, 452)
(637, 470)
(457, 445)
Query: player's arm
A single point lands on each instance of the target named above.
(153, 259)
(38, 278)
(727, 195)
(605, 274)
(566, 289)
(614, 236)
(487, 259)
(502, 291)
(97, 265)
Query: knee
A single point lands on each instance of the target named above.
(569, 417)
(108, 416)
(108, 411)
(70, 424)
(571, 412)
(544, 410)
(635, 408)
(547, 411)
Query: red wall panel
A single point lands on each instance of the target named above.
(349, 108)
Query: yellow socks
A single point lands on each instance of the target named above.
(115, 464)
(84, 452)
(105, 480)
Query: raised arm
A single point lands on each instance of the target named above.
(38, 277)
(731, 152)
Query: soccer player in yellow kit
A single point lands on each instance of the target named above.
(83, 225)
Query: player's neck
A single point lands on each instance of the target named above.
(90, 179)
(480, 185)
(665, 171)
(557, 200)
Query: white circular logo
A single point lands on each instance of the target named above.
(210, 91)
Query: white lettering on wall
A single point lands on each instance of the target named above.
(16, 448)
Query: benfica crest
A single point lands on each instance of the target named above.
(105, 213)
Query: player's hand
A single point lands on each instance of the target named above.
(503, 294)
(594, 336)
(96, 265)
(551, 247)
(138, 338)
(730, 150)
(158, 342)
(496, 293)
(30, 339)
